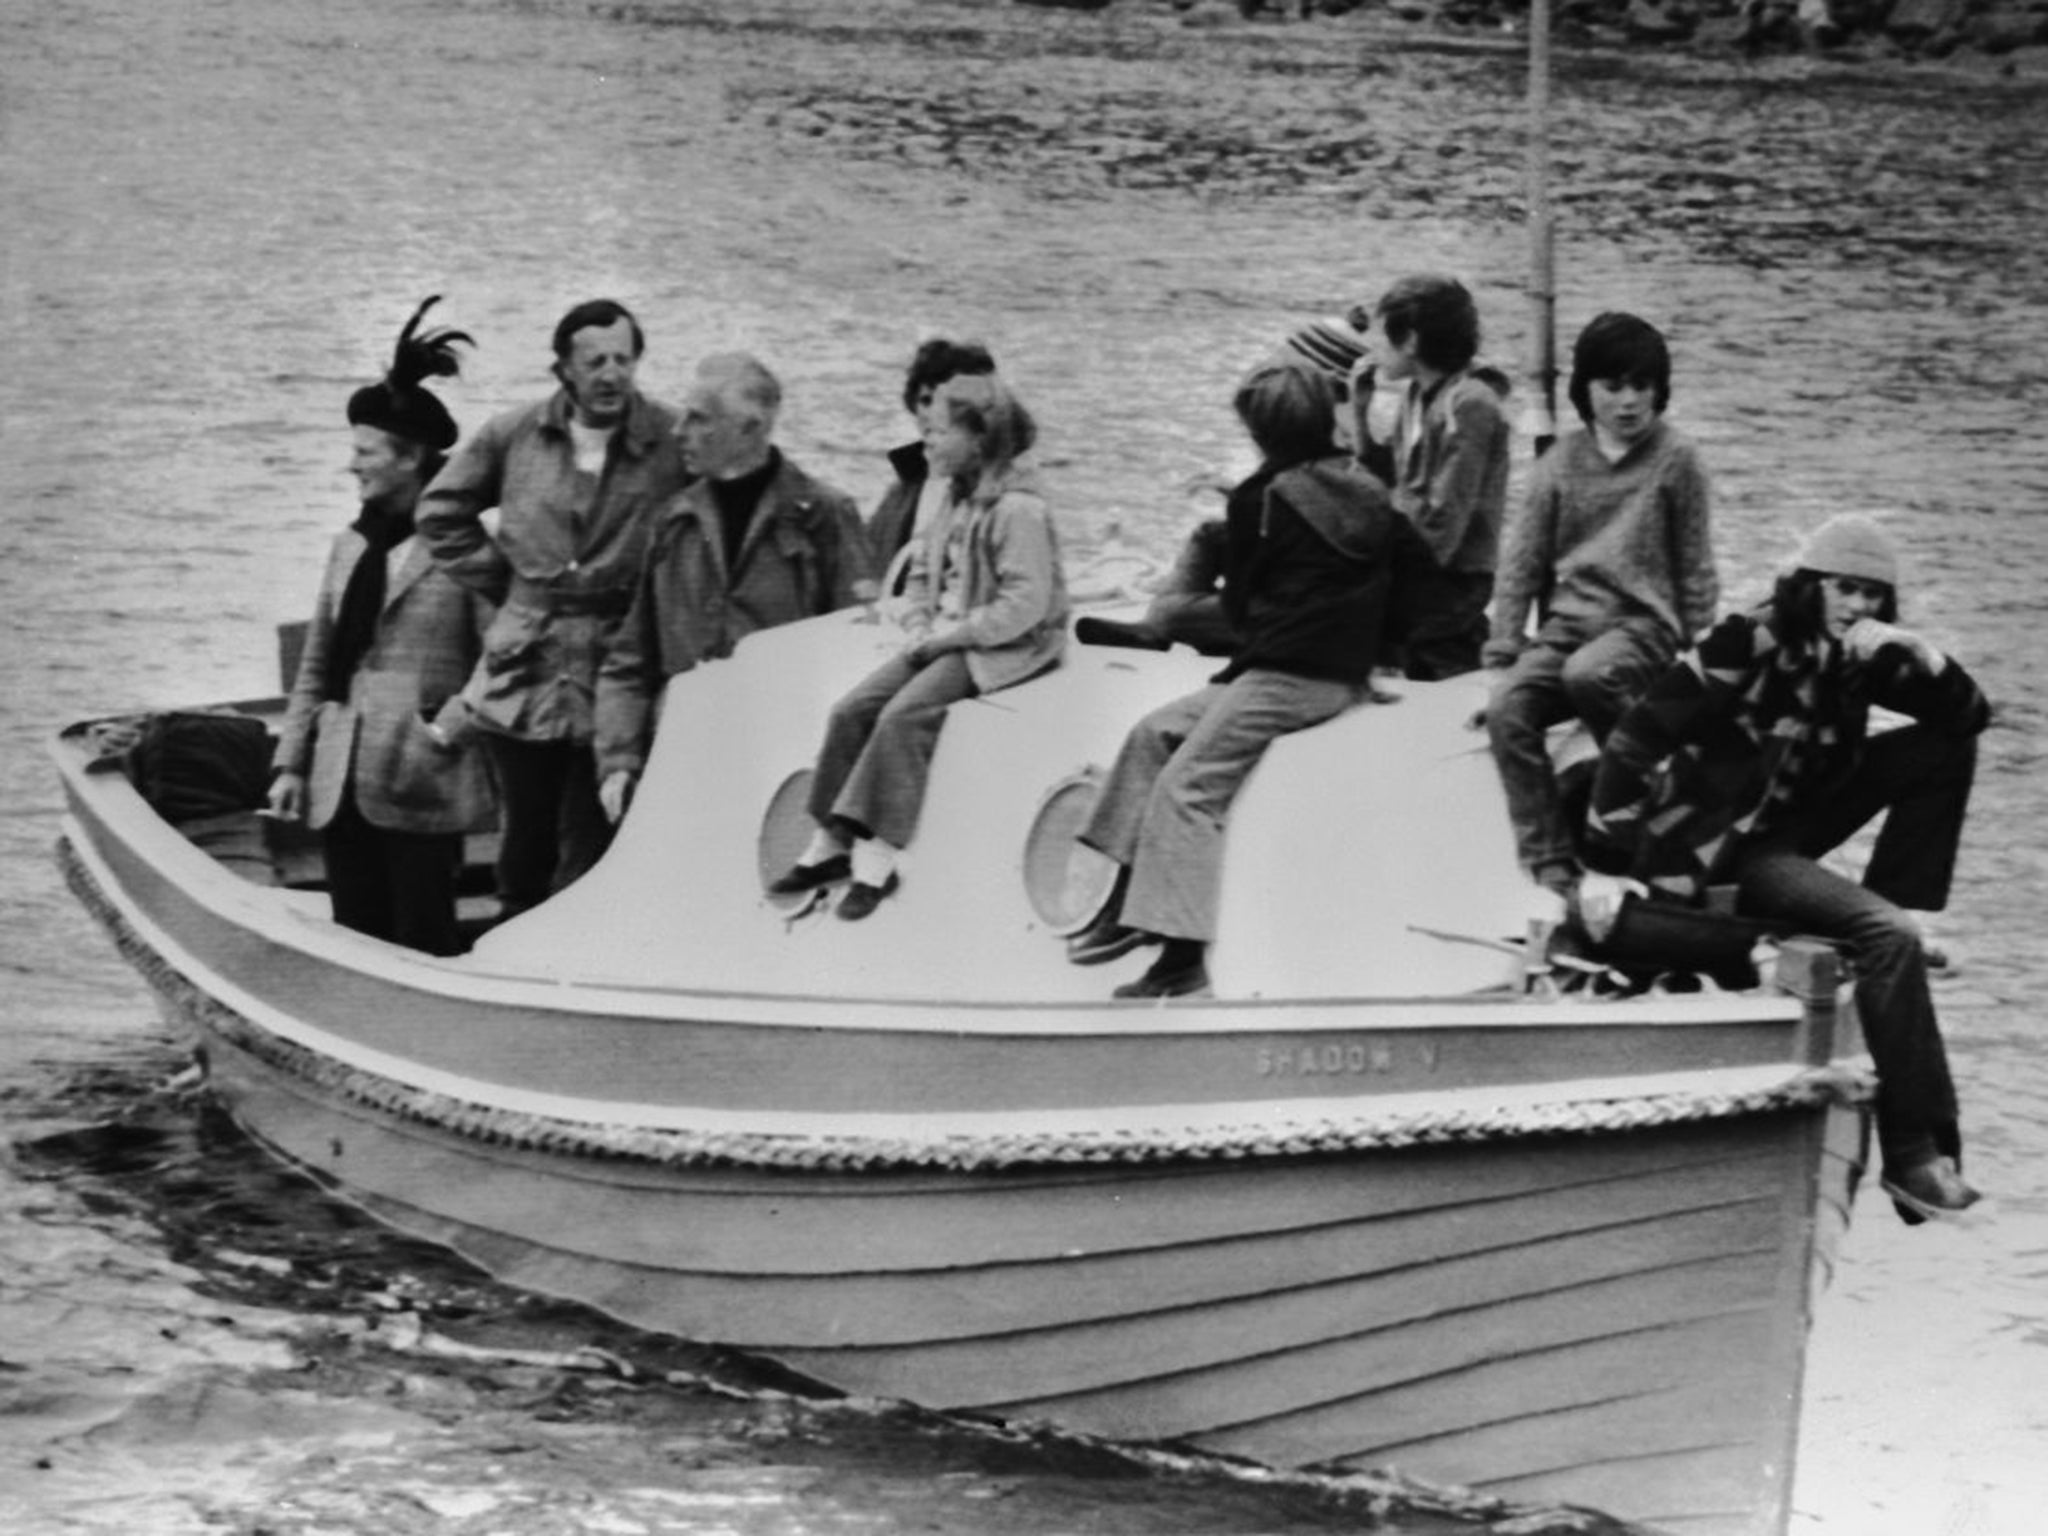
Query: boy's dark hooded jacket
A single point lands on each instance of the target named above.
(1318, 570)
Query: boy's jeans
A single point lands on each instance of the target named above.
(1924, 779)
(1554, 680)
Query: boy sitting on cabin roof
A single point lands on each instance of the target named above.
(1320, 570)
(1612, 551)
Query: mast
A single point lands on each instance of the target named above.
(1542, 263)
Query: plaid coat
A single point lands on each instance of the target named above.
(374, 744)
(1738, 737)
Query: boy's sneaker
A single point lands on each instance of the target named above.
(1929, 1190)
(1107, 940)
(1170, 976)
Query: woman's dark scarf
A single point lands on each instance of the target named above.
(401, 406)
(362, 599)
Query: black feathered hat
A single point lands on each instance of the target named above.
(400, 403)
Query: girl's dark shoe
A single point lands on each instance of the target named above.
(799, 878)
(861, 899)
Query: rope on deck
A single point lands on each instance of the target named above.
(1371, 1130)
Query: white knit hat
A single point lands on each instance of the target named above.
(1851, 545)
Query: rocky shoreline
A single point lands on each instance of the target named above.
(2014, 32)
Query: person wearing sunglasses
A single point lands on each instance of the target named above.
(987, 611)
(1752, 757)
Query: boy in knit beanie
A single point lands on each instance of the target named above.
(1188, 607)
(1748, 763)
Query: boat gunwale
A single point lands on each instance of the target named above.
(973, 1137)
(118, 808)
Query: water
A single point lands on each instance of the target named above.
(216, 214)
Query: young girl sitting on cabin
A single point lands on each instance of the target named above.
(989, 606)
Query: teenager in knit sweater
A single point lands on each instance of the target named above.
(1613, 555)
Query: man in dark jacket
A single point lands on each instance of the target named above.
(752, 542)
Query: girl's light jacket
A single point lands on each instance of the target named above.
(1014, 620)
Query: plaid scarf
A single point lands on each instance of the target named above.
(1801, 707)
(1740, 736)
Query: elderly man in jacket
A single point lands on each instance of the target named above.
(751, 543)
(577, 479)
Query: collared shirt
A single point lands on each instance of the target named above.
(557, 526)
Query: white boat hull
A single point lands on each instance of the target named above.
(1397, 1214)
(1601, 1315)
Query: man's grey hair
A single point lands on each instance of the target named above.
(743, 381)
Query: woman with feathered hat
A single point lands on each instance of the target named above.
(363, 757)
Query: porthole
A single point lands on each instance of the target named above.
(1066, 882)
(786, 829)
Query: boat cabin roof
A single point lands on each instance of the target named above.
(1369, 856)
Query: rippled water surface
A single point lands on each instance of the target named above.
(213, 215)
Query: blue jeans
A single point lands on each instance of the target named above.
(878, 746)
(1556, 680)
(1448, 631)
(1921, 780)
(1164, 807)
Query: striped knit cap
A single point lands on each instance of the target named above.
(1328, 344)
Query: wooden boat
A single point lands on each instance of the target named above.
(1390, 1197)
